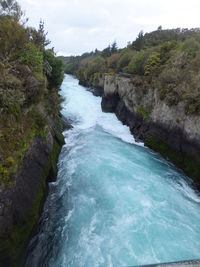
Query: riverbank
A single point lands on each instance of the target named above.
(152, 85)
(22, 200)
(115, 202)
(167, 130)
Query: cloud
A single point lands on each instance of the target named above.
(77, 26)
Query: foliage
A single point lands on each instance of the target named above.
(136, 65)
(11, 96)
(57, 73)
(168, 60)
(160, 36)
(124, 59)
(89, 68)
(108, 51)
(38, 37)
(165, 50)
(112, 61)
(33, 57)
(24, 97)
(138, 44)
(13, 40)
(190, 47)
(10, 8)
(113, 48)
(153, 63)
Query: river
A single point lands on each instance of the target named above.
(115, 202)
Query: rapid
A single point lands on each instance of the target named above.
(115, 202)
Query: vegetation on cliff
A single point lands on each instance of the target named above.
(168, 60)
(30, 76)
(30, 127)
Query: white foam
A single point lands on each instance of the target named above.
(89, 113)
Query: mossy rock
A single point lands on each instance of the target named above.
(13, 246)
(188, 164)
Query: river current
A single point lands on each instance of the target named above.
(115, 202)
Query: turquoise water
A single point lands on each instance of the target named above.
(115, 202)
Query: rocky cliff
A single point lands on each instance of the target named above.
(22, 199)
(30, 128)
(94, 85)
(167, 129)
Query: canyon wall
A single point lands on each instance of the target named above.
(21, 200)
(166, 129)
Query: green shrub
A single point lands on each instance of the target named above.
(190, 47)
(124, 60)
(112, 61)
(153, 63)
(33, 57)
(12, 97)
(90, 69)
(13, 39)
(57, 74)
(165, 50)
(136, 65)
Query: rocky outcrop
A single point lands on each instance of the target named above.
(21, 201)
(97, 91)
(167, 129)
(95, 84)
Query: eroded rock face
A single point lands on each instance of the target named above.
(96, 86)
(158, 111)
(21, 201)
(168, 130)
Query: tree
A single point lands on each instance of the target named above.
(13, 39)
(11, 8)
(113, 48)
(139, 41)
(43, 34)
(39, 37)
(106, 52)
(57, 73)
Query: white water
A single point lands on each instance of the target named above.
(115, 202)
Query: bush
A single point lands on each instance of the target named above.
(190, 47)
(11, 96)
(90, 68)
(165, 50)
(112, 61)
(13, 39)
(33, 57)
(57, 74)
(124, 60)
(153, 63)
(96, 64)
(136, 65)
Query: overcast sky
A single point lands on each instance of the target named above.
(78, 26)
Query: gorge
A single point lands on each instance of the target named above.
(115, 202)
(99, 152)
